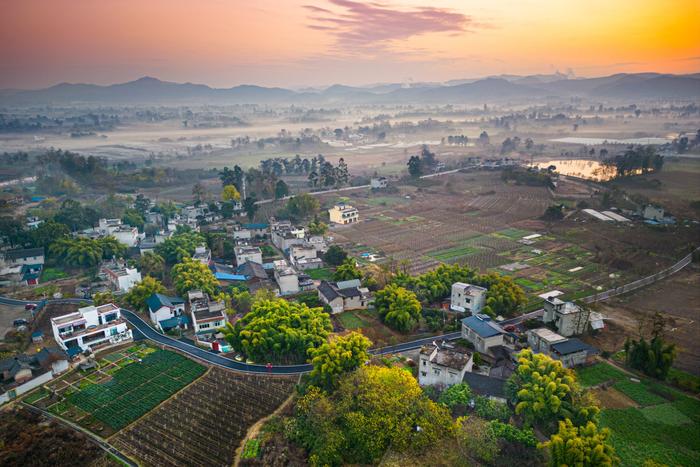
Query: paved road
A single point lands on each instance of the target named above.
(215, 359)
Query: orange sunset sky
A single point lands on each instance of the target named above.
(316, 42)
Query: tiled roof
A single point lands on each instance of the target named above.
(156, 301)
(570, 346)
(483, 326)
(485, 385)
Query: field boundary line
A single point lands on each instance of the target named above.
(645, 281)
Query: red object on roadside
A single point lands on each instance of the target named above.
(30, 306)
(269, 367)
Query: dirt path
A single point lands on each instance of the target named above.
(254, 430)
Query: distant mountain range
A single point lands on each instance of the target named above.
(146, 90)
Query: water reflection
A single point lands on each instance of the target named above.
(588, 169)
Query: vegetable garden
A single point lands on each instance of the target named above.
(664, 427)
(130, 392)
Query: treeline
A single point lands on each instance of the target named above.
(636, 161)
(530, 177)
(264, 181)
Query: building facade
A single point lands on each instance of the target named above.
(90, 327)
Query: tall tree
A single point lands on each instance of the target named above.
(583, 446)
(140, 292)
(250, 207)
(340, 355)
(398, 308)
(415, 168)
(193, 275)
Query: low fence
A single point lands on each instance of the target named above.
(686, 260)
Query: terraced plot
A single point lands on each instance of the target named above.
(204, 423)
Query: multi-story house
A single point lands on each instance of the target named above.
(467, 298)
(90, 327)
(343, 214)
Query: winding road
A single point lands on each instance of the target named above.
(148, 332)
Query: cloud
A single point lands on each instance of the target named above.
(365, 25)
(688, 59)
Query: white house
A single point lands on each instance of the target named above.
(570, 351)
(343, 214)
(286, 277)
(90, 327)
(378, 183)
(304, 251)
(247, 253)
(167, 312)
(482, 332)
(242, 234)
(120, 276)
(285, 239)
(127, 235)
(29, 256)
(202, 254)
(108, 226)
(467, 297)
(344, 295)
(207, 316)
(540, 340)
(443, 364)
(569, 318)
(318, 242)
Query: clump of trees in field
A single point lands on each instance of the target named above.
(504, 297)
(423, 163)
(654, 357)
(337, 357)
(181, 245)
(398, 308)
(280, 331)
(635, 161)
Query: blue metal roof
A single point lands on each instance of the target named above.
(483, 326)
(157, 301)
(256, 226)
(224, 276)
(174, 321)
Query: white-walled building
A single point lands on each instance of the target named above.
(467, 298)
(121, 277)
(202, 254)
(344, 295)
(247, 253)
(482, 332)
(377, 183)
(89, 327)
(207, 316)
(571, 352)
(286, 277)
(127, 235)
(343, 213)
(443, 365)
(569, 318)
(167, 312)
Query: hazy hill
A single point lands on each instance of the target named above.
(145, 90)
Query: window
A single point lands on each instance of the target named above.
(423, 373)
(204, 326)
(436, 371)
(425, 363)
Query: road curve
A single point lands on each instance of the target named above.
(215, 359)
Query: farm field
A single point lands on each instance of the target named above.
(127, 385)
(656, 422)
(477, 220)
(676, 299)
(205, 423)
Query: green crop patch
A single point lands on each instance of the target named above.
(136, 388)
(600, 373)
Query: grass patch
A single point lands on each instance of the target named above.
(599, 373)
(667, 414)
(36, 395)
(451, 253)
(513, 233)
(638, 392)
(251, 449)
(351, 321)
(321, 274)
(50, 274)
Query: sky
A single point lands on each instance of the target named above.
(296, 43)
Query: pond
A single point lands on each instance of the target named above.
(582, 168)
